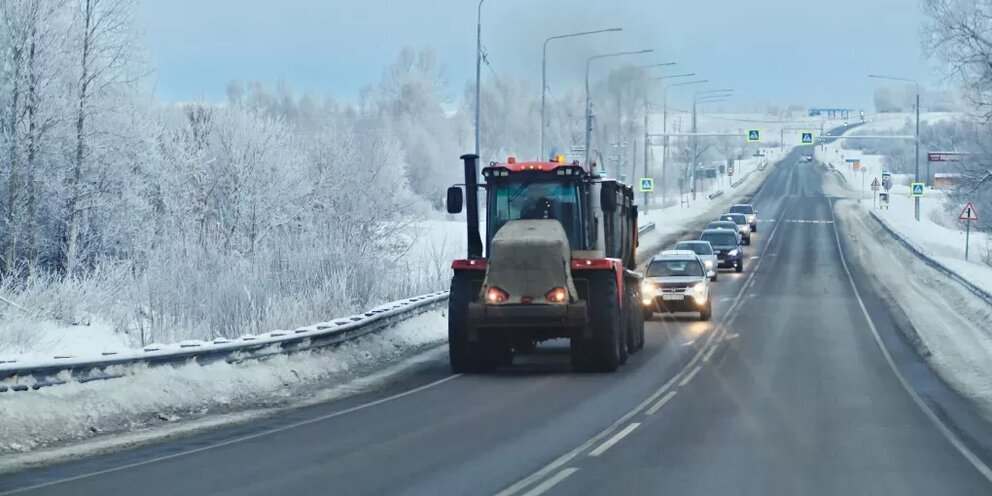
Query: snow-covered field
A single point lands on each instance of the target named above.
(947, 319)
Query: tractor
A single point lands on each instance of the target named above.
(557, 262)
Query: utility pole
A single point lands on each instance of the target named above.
(916, 200)
(478, 74)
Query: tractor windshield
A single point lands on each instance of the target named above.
(533, 199)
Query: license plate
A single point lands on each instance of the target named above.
(672, 297)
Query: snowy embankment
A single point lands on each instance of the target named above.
(945, 320)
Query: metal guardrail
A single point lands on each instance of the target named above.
(26, 376)
(930, 260)
(715, 194)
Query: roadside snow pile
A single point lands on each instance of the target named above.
(159, 395)
(946, 321)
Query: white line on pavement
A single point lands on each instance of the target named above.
(953, 438)
(551, 482)
(709, 354)
(691, 375)
(657, 406)
(614, 440)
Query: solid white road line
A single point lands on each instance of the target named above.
(551, 482)
(709, 354)
(691, 375)
(948, 434)
(657, 406)
(614, 440)
(234, 440)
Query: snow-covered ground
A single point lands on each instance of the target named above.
(948, 321)
(161, 397)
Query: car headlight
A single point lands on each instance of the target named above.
(708, 264)
(751, 218)
(699, 288)
(648, 287)
(733, 253)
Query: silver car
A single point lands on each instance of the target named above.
(703, 250)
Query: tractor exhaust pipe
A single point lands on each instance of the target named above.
(472, 204)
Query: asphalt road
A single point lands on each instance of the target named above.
(785, 392)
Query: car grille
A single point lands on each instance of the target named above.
(674, 287)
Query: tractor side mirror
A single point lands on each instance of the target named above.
(455, 200)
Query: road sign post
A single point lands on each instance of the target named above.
(874, 193)
(968, 214)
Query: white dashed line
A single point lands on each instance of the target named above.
(657, 406)
(689, 377)
(551, 482)
(614, 440)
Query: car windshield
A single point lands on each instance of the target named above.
(742, 209)
(697, 247)
(736, 219)
(536, 200)
(675, 268)
(720, 238)
(721, 224)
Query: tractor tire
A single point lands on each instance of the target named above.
(706, 313)
(465, 356)
(602, 352)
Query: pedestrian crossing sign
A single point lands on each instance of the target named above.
(917, 190)
(647, 185)
(806, 137)
(753, 135)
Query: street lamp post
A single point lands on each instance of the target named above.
(588, 119)
(916, 200)
(647, 131)
(664, 126)
(711, 98)
(544, 72)
(478, 73)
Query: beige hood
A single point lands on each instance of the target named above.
(529, 258)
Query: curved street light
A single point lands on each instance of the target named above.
(544, 71)
(588, 110)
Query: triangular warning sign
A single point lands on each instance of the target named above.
(875, 183)
(969, 212)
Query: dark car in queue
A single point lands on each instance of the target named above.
(727, 247)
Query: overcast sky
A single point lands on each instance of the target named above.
(768, 50)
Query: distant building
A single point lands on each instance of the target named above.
(946, 180)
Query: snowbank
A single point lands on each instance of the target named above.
(163, 395)
(945, 319)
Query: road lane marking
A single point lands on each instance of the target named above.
(657, 406)
(728, 336)
(691, 375)
(943, 429)
(709, 354)
(754, 257)
(234, 440)
(728, 318)
(614, 440)
(551, 482)
(689, 342)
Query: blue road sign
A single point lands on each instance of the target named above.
(807, 137)
(917, 190)
(647, 185)
(753, 135)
